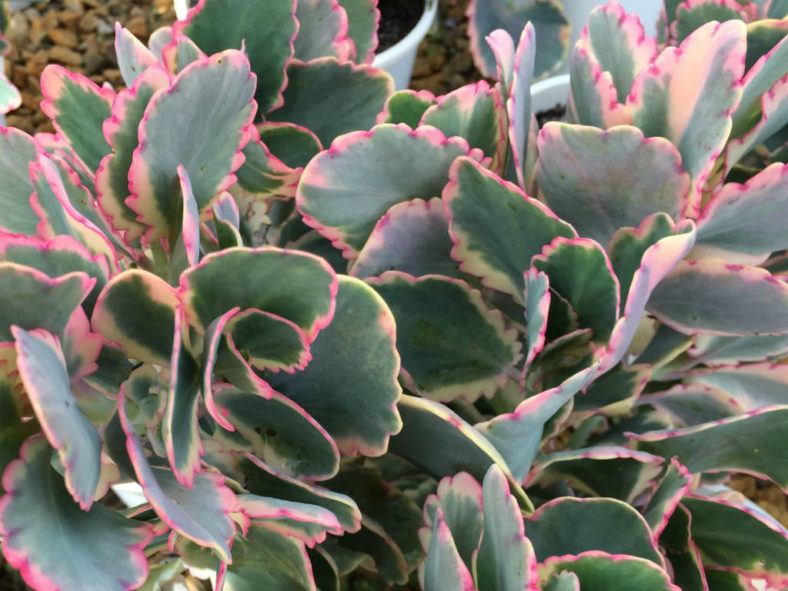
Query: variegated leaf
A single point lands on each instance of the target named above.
(17, 151)
(322, 31)
(443, 565)
(600, 571)
(363, 17)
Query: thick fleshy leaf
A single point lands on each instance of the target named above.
(517, 435)
(130, 297)
(537, 307)
(752, 386)
(549, 22)
(227, 80)
(78, 109)
(350, 386)
(518, 105)
(413, 237)
(57, 545)
(506, 558)
(406, 106)
(351, 97)
(31, 299)
(600, 571)
(282, 434)
(682, 553)
(344, 191)
(112, 176)
(619, 44)
(580, 271)
(264, 559)
(682, 299)
(563, 581)
(745, 443)
(744, 219)
(322, 31)
(451, 344)
(593, 99)
(693, 404)
(673, 485)
(269, 342)
(495, 227)
(614, 392)
(265, 30)
(732, 536)
(17, 151)
(698, 92)
(443, 565)
(261, 479)
(294, 145)
(570, 526)
(473, 112)
(601, 471)
(363, 16)
(693, 15)
(463, 448)
(596, 179)
(306, 297)
(373, 541)
(303, 521)
(45, 378)
(132, 55)
(713, 350)
(200, 513)
(180, 431)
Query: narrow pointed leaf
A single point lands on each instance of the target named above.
(537, 306)
(673, 485)
(350, 386)
(495, 227)
(443, 566)
(132, 55)
(518, 104)
(43, 370)
(58, 545)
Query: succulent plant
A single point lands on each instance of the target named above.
(10, 98)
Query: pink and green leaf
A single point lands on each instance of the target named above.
(345, 191)
(269, 342)
(266, 31)
(595, 179)
(294, 145)
(322, 31)
(452, 345)
(521, 125)
(17, 151)
(443, 564)
(752, 386)
(693, 14)
(682, 553)
(190, 226)
(693, 404)
(745, 443)
(580, 271)
(503, 49)
(363, 20)
(614, 393)
(281, 433)
(200, 513)
(263, 174)
(682, 301)
(601, 571)
(351, 97)
(569, 525)
(46, 381)
(180, 430)
(735, 538)
(463, 448)
(712, 350)
(31, 299)
(302, 521)
(132, 55)
(128, 297)
(562, 581)
(411, 237)
(352, 357)
(506, 558)
(473, 112)
(674, 483)
(10, 98)
(57, 545)
(537, 307)
(406, 106)
(518, 435)
(297, 286)
(602, 471)
(78, 109)
(262, 479)
(229, 83)
(495, 227)
(688, 98)
(81, 346)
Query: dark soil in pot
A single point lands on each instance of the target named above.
(397, 19)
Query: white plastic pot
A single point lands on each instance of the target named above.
(577, 12)
(398, 59)
(545, 94)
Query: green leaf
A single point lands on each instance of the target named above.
(451, 344)
(322, 31)
(406, 106)
(689, 19)
(351, 97)
(751, 386)
(745, 443)
(443, 567)
(614, 392)
(295, 146)
(681, 551)
(673, 485)
(54, 542)
(600, 180)
(265, 30)
(363, 18)
(46, 381)
(747, 300)
(345, 191)
(302, 521)
(600, 571)
(226, 83)
(563, 581)
(78, 109)
(17, 151)
(495, 227)
(350, 386)
(570, 526)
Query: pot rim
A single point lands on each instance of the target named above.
(412, 39)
